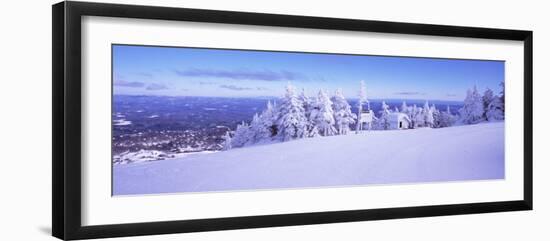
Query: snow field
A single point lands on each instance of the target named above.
(469, 152)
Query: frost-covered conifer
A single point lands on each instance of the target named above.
(446, 118)
(495, 109)
(227, 141)
(472, 111)
(404, 108)
(242, 135)
(428, 115)
(502, 97)
(412, 115)
(488, 97)
(258, 132)
(291, 121)
(323, 115)
(436, 114)
(384, 119)
(419, 120)
(267, 119)
(343, 116)
(306, 101)
(308, 104)
(493, 106)
(407, 110)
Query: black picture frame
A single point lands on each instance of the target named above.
(66, 128)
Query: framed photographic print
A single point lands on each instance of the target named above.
(170, 120)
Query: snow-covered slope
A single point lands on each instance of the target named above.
(470, 152)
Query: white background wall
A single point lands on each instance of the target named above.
(25, 119)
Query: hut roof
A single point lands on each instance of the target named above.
(397, 116)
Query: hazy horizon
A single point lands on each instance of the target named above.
(278, 97)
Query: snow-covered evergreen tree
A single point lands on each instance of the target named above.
(291, 121)
(495, 109)
(227, 141)
(446, 118)
(343, 116)
(413, 111)
(452, 118)
(502, 97)
(407, 110)
(384, 119)
(472, 111)
(419, 118)
(306, 101)
(257, 131)
(268, 118)
(477, 103)
(428, 115)
(309, 105)
(433, 109)
(323, 115)
(242, 135)
(488, 97)
(436, 116)
(404, 108)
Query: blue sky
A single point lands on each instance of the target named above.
(147, 70)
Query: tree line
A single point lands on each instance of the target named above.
(298, 116)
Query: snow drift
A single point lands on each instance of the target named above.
(469, 152)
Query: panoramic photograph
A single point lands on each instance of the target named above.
(194, 120)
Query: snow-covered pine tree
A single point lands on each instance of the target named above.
(384, 119)
(446, 118)
(226, 141)
(308, 105)
(488, 97)
(323, 115)
(495, 110)
(419, 119)
(257, 130)
(306, 101)
(472, 111)
(267, 119)
(496, 107)
(291, 121)
(428, 115)
(242, 135)
(404, 108)
(502, 97)
(407, 110)
(464, 112)
(360, 102)
(478, 104)
(412, 115)
(436, 116)
(343, 116)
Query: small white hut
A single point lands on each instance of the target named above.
(399, 121)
